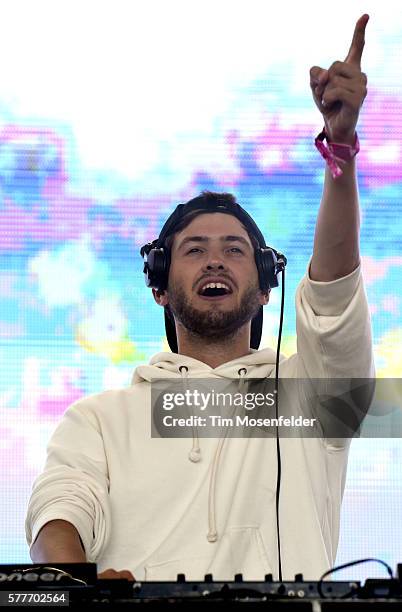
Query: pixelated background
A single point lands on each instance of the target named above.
(112, 113)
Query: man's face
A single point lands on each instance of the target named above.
(213, 248)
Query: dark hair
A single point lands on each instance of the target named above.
(207, 196)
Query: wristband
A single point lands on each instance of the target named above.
(336, 152)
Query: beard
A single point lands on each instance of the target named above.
(211, 324)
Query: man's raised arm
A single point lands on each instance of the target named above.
(339, 93)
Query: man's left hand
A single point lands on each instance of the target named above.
(339, 92)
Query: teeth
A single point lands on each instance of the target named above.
(215, 286)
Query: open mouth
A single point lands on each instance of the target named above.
(215, 291)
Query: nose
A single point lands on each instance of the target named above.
(214, 261)
(212, 266)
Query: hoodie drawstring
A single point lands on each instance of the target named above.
(195, 453)
(212, 534)
(195, 456)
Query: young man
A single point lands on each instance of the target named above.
(153, 507)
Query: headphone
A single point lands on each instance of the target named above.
(156, 255)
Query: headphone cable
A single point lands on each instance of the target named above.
(278, 449)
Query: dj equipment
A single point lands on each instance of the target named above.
(76, 585)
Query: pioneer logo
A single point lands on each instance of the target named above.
(75, 574)
(31, 577)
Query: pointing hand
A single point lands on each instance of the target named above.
(339, 92)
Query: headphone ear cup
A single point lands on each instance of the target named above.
(156, 269)
(266, 265)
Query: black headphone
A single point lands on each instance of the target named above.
(156, 255)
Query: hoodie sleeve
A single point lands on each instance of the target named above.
(333, 328)
(334, 342)
(74, 484)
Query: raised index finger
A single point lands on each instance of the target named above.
(356, 48)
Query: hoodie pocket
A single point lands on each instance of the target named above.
(240, 550)
(248, 554)
(194, 568)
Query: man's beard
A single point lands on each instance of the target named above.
(214, 324)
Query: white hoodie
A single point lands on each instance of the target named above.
(160, 507)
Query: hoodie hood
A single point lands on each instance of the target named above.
(258, 364)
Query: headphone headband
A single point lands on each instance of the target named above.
(210, 204)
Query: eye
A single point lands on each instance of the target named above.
(236, 249)
(193, 249)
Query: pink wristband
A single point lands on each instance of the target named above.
(336, 152)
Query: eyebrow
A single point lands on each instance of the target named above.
(229, 238)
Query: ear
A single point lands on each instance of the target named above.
(264, 297)
(160, 297)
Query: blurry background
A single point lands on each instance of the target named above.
(112, 113)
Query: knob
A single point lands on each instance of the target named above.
(181, 578)
(238, 578)
(298, 577)
(268, 578)
(208, 578)
(281, 589)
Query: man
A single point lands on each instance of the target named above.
(111, 493)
